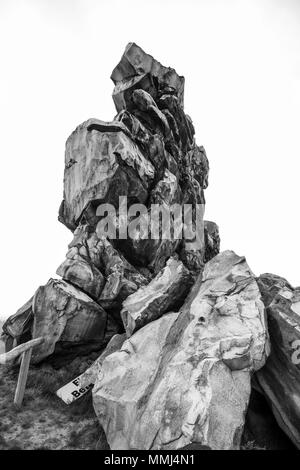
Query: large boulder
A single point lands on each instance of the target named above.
(90, 375)
(185, 378)
(66, 318)
(101, 164)
(70, 322)
(165, 292)
(137, 69)
(279, 379)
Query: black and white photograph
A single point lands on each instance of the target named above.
(150, 235)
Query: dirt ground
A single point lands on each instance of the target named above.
(44, 421)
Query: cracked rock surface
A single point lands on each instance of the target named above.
(165, 292)
(279, 380)
(63, 315)
(186, 376)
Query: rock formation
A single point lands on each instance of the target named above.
(279, 379)
(186, 377)
(146, 155)
(180, 328)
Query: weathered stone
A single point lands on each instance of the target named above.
(185, 378)
(192, 259)
(269, 286)
(165, 292)
(212, 240)
(151, 145)
(122, 279)
(152, 253)
(137, 69)
(146, 109)
(101, 164)
(197, 161)
(193, 247)
(143, 247)
(82, 274)
(17, 328)
(65, 315)
(279, 379)
(167, 190)
(149, 154)
(96, 267)
(180, 123)
(92, 373)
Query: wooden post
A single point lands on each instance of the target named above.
(20, 390)
(13, 354)
(24, 350)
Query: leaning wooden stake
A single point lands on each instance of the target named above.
(13, 354)
(25, 350)
(20, 390)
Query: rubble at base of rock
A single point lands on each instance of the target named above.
(180, 328)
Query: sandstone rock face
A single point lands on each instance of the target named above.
(97, 268)
(185, 377)
(279, 379)
(163, 293)
(69, 321)
(270, 285)
(147, 153)
(82, 274)
(65, 315)
(91, 374)
(101, 163)
(135, 67)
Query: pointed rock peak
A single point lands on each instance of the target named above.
(136, 67)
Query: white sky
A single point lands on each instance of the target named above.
(241, 61)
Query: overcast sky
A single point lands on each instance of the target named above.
(241, 62)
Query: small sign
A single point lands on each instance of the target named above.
(72, 391)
